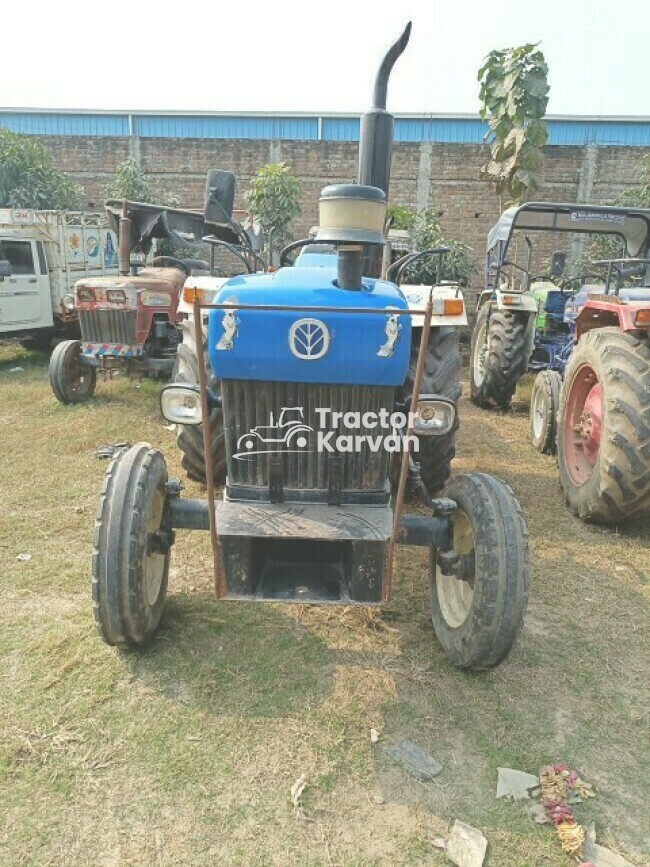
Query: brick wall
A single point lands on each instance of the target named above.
(441, 175)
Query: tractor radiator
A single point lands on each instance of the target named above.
(107, 326)
(306, 473)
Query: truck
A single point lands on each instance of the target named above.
(42, 255)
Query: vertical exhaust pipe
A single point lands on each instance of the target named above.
(376, 139)
(124, 243)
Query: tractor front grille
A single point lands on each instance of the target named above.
(306, 473)
(108, 326)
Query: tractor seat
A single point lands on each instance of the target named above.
(555, 304)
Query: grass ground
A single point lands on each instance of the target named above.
(185, 753)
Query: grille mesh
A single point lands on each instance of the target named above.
(108, 326)
(247, 405)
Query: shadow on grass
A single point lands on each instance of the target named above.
(12, 355)
(235, 658)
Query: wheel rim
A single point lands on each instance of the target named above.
(539, 412)
(455, 597)
(154, 567)
(78, 377)
(583, 421)
(481, 352)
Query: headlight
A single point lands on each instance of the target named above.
(117, 296)
(85, 294)
(433, 416)
(156, 299)
(68, 302)
(181, 403)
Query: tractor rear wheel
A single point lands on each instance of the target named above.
(498, 357)
(544, 403)
(71, 381)
(604, 427)
(131, 546)
(478, 607)
(441, 375)
(189, 438)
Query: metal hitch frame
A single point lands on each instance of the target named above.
(192, 514)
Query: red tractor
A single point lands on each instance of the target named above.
(603, 439)
(130, 323)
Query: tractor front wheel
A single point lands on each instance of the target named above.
(604, 427)
(131, 546)
(71, 381)
(479, 590)
(544, 402)
(498, 356)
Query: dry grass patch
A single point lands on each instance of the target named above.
(186, 751)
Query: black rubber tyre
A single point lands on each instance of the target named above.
(544, 404)
(189, 438)
(130, 562)
(71, 381)
(441, 375)
(498, 362)
(478, 619)
(616, 487)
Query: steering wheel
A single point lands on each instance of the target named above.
(161, 261)
(294, 245)
(567, 282)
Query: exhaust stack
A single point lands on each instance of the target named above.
(376, 138)
(354, 215)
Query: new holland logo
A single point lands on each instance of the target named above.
(309, 339)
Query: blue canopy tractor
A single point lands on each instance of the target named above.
(323, 406)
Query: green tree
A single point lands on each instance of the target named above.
(426, 232)
(273, 199)
(514, 95)
(400, 217)
(459, 264)
(132, 183)
(28, 178)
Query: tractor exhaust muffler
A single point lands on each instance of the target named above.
(376, 139)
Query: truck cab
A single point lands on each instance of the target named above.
(25, 290)
(44, 253)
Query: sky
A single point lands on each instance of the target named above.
(315, 57)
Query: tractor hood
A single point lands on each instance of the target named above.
(152, 279)
(312, 346)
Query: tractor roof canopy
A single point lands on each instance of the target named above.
(631, 224)
(158, 221)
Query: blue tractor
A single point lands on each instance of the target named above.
(319, 404)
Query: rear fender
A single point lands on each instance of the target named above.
(517, 302)
(209, 287)
(524, 304)
(418, 296)
(604, 311)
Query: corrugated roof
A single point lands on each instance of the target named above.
(624, 131)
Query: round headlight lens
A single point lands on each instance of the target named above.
(85, 294)
(68, 302)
